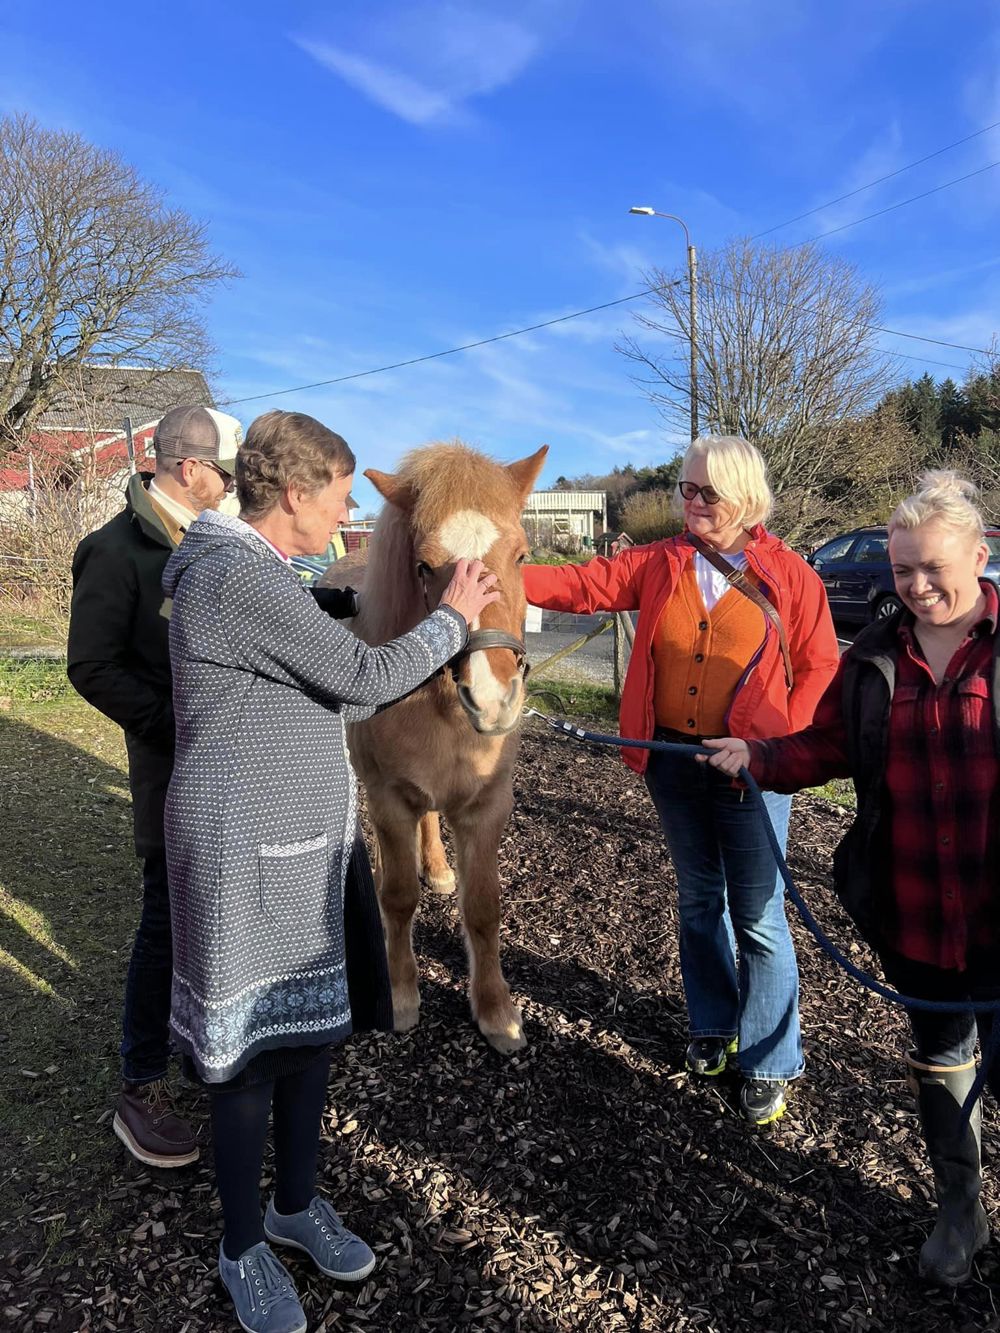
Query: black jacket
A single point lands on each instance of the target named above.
(860, 863)
(118, 656)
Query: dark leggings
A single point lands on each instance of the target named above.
(239, 1129)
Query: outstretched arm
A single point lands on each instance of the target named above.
(599, 585)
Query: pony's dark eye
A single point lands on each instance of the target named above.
(424, 569)
(522, 557)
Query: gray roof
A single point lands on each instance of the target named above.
(102, 396)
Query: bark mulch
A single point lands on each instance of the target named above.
(586, 1184)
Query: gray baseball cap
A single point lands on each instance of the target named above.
(199, 432)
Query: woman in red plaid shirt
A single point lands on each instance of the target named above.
(913, 716)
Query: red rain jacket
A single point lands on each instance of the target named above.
(641, 579)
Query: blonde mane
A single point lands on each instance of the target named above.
(446, 477)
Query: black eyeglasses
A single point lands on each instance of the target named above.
(689, 490)
(228, 481)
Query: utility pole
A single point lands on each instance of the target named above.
(693, 294)
(692, 258)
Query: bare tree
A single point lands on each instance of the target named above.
(786, 350)
(94, 267)
(68, 492)
(871, 463)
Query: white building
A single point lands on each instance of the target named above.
(575, 517)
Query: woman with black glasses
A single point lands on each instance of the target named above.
(733, 627)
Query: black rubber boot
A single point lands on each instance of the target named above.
(961, 1229)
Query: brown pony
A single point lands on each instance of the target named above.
(450, 746)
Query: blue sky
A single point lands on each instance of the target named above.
(397, 178)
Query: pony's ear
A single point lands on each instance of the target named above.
(524, 473)
(391, 488)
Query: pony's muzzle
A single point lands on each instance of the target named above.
(498, 713)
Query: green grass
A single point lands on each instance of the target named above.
(839, 791)
(34, 679)
(561, 557)
(21, 630)
(69, 900)
(573, 698)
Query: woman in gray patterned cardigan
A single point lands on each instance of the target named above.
(273, 963)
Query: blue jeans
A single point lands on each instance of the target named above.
(737, 958)
(145, 1038)
(941, 1038)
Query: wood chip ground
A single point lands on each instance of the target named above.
(586, 1184)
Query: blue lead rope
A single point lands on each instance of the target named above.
(812, 925)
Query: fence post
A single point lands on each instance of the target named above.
(622, 645)
(550, 662)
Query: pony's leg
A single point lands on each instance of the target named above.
(398, 895)
(477, 829)
(435, 871)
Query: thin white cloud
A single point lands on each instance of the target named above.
(426, 71)
(389, 88)
(926, 282)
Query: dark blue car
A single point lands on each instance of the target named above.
(857, 575)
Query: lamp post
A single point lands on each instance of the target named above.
(693, 297)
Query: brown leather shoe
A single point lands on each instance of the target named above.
(150, 1128)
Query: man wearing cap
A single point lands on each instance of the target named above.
(118, 659)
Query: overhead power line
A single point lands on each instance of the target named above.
(449, 351)
(879, 180)
(636, 296)
(891, 208)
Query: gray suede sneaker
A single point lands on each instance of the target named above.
(318, 1230)
(262, 1291)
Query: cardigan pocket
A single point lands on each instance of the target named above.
(294, 880)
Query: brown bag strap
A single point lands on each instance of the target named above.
(739, 580)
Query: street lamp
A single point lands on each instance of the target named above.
(693, 294)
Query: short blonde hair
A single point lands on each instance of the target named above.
(943, 497)
(737, 471)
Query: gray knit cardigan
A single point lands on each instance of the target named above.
(260, 814)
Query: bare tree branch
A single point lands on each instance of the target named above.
(94, 268)
(786, 352)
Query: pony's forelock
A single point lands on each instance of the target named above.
(444, 479)
(449, 477)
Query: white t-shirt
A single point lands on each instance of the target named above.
(712, 585)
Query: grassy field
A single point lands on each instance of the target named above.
(21, 628)
(69, 899)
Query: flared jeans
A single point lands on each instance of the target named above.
(736, 953)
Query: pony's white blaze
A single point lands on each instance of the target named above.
(487, 692)
(467, 534)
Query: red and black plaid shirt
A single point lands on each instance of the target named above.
(942, 802)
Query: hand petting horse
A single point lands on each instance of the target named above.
(450, 746)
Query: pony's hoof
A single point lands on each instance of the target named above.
(507, 1039)
(405, 1017)
(440, 883)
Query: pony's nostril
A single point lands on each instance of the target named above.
(465, 695)
(512, 693)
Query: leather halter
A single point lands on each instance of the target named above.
(479, 640)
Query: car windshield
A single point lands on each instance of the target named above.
(993, 542)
